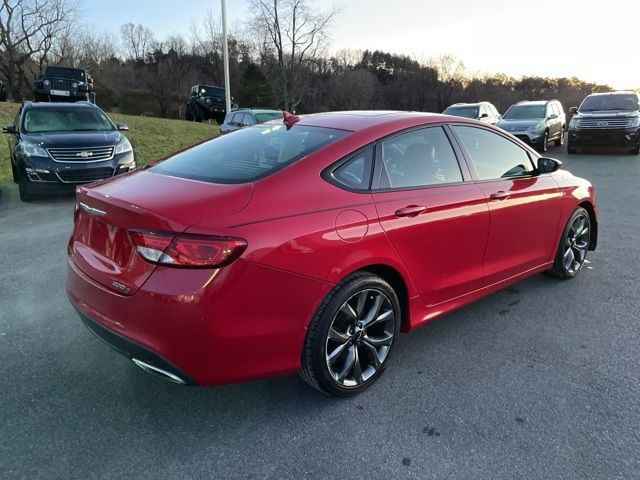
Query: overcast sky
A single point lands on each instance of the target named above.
(541, 37)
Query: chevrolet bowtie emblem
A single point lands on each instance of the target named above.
(84, 154)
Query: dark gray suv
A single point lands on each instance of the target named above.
(536, 123)
(243, 117)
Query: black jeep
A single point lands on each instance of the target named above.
(206, 102)
(64, 84)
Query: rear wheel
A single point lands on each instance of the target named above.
(635, 151)
(350, 338)
(574, 245)
(560, 140)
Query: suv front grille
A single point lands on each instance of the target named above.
(602, 123)
(75, 154)
(85, 175)
(60, 84)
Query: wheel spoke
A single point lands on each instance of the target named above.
(357, 368)
(362, 298)
(337, 336)
(348, 364)
(349, 311)
(569, 258)
(379, 341)
(333, 356)
(373, 312)
(372, 352)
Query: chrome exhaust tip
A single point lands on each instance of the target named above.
(158, 371)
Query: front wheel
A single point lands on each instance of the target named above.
(544, 146)
(574, 245)
(26, 195)
(350, 338)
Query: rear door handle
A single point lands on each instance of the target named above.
(410, 211)
(501, 195)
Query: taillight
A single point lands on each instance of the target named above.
(185, 250)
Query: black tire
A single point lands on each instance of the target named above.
(573, 244)
(635, 151)
(560, 140)
(188, 114)
(26, 195)
(571, 150)
(16, 174)
(352, 345)
(544, 146)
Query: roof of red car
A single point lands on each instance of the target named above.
(361, 119)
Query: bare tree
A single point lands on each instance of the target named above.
(28, 29)
(451, 76)
(352, 90)
(138, 41)
(293, 36)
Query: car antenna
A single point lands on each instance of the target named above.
(289, 119)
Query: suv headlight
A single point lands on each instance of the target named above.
(74, 85)
(633, 122)
(47, 83)
(575, 123)
(124, 146)
(33, 150)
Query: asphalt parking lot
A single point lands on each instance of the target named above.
(540, 381)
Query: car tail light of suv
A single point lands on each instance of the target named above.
(185, 250)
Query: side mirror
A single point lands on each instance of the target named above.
(548, 165)
(9, 129)
(553, 116)
(123, 127)
(573, 110)
(484, 115)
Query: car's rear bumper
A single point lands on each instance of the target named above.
(604, 138)
(208, 327)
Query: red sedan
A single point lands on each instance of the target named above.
(309, 245)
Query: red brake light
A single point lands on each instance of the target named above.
(185, 250)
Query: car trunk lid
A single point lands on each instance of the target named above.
(101, 245)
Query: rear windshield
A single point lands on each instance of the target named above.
(467, 112)
(266, 116)
(610, 102)
(62, 72)
(523, 112)
(65, 119)
(248, 154)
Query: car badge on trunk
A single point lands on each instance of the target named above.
(92, 211)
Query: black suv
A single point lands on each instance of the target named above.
(64, 84)
(606, 120)
(206, 102)
(244, 117)
(56, 146)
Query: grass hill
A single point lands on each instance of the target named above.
(151, 137)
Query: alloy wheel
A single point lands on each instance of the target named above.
(360, 337)
(576, 244)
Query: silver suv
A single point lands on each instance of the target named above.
(536, 123)
(482, 111)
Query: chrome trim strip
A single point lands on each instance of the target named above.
(92, 211)
(67, 151)
(158, 371)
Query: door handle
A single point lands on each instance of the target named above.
(500, 195)
(410, 211)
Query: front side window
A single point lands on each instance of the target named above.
(493, 155)
(248, 154)
(418, 158)
(65, 119)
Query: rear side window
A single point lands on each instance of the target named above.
(248, 154)
(357, 171)
(493, 156)
(418, 158)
